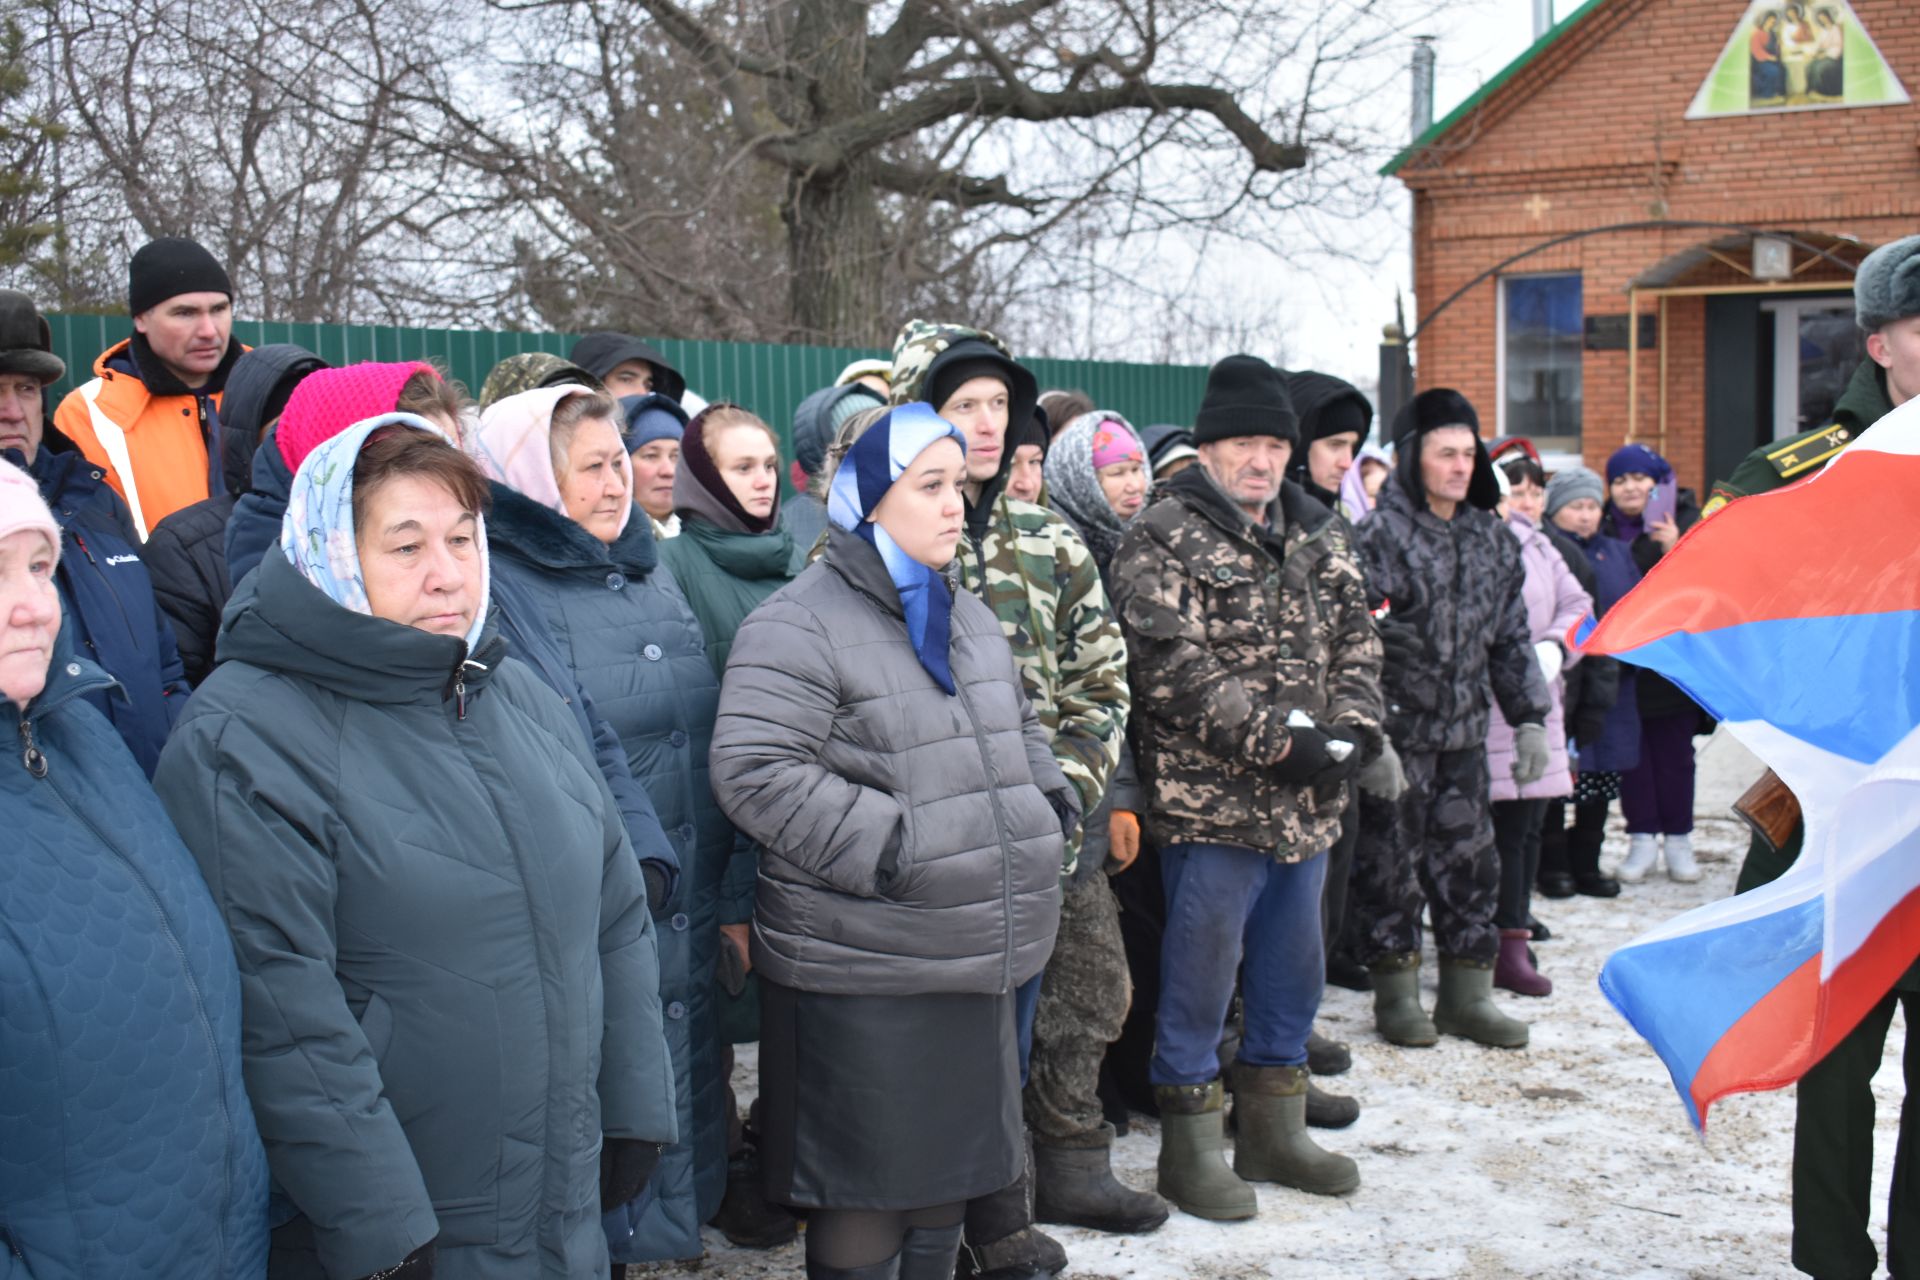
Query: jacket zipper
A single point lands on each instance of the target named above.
(31, 756)
(1000, 833)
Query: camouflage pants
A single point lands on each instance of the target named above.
(1434, 845)
(1083, 1003)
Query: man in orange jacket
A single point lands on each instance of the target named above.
(150, 416)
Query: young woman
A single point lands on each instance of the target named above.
(732, 553)
(1555, 603)
(450, 989)
(1656, 795)
(577, 563)
(129, 1145)
(874, 739)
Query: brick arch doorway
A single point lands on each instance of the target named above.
(1779, 341)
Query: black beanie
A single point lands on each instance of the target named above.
(1245, 397)
(168, 267)
(1431, 410)
(950, 377)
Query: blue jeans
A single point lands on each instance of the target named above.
(1235, 912)
(1026, 1003)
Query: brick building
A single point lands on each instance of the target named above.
(1688, 161)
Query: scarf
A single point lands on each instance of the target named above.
(1353, 488)
(870, 468)
(701, 491)
(512, 445)
(1073, 476)
(317, 531)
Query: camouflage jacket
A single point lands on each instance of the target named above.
(1231, 626)
(1458, 583)
(1037, 575)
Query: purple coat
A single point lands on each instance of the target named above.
(1615, 573)
(1555, 603)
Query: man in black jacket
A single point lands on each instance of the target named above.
(1452, 573)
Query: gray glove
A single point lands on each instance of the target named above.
(1384, 777)
(1529, 753)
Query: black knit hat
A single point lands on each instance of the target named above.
(1432, 411)
(168, 267)
(1245, 397)
(26, 344)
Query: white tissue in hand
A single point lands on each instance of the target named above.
(1552, 658)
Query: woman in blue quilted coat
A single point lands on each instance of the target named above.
(571, 556)
(126, 1143)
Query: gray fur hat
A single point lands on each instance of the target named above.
(1887, 286)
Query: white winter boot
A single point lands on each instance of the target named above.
(1642, 854)
(1680, 863)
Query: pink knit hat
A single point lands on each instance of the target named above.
(22, 508)
(1114, 441)
(328, 401)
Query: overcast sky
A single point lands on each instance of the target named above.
(1333, 313)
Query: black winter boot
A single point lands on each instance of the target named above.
(1001, 1242)
(929, 1253)
(1326, 1057)
(747, 1218)
(1329, 1110)
(888, 1270)
(1583, 854)
(1075, 1186)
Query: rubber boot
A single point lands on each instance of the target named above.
(1643, 851)
(1329, 1110)
(1514, 970)
(1194, 1175)
(1001, 1242)
(1327, 1057)
(1466, 1009)
(1680, 863)
(888, 1270)
(929, 1253)
(1273, 1145)
(747, 1218)
(1583, 854)
(1075, 1187)
(1397, 1014)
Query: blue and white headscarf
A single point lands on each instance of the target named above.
(317, 531)
(870, 468)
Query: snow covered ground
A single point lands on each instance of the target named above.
(1569, 1158)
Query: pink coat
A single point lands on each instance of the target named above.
(1555, 602)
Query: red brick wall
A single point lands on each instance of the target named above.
(1595, 126)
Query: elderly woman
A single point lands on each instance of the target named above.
(449, 974)
(129, 1148)
(579, 571)
(873, 737)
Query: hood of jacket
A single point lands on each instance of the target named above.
(600, 353)
(814, 422)
(279, 622)
(255, 523)
(923, 349)
(542, 536)
(252, 388)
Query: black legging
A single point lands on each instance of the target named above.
(848, 1238)
(1516, 833)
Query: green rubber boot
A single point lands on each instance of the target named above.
(1397, 1014)
(1193, 1165)
(1270, 1105)
(1466, 1008)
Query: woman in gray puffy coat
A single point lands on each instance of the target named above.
(447, 972)
(572, 556)
(873, 737)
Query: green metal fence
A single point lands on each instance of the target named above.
(770, 380)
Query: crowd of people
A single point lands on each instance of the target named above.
(422, 797)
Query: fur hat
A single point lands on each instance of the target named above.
(1887, 286)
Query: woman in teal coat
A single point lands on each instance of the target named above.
(448, 974)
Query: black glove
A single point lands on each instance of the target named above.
(417, 1265)
(625, 1166)
(656, 881)
(1306, 758)
(1403, 644)
(1338, 771)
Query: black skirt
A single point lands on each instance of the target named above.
(887, 1102)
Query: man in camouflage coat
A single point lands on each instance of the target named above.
(1451, 573)
(1256, 671)
(1039, 578)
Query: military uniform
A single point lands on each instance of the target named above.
(1231, 626)
(1833, 1103)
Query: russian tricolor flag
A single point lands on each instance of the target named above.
(1793, 616)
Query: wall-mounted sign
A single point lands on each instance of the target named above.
(1796, 56)
(1609, 332)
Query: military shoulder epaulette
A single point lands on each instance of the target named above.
(1804, 453)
